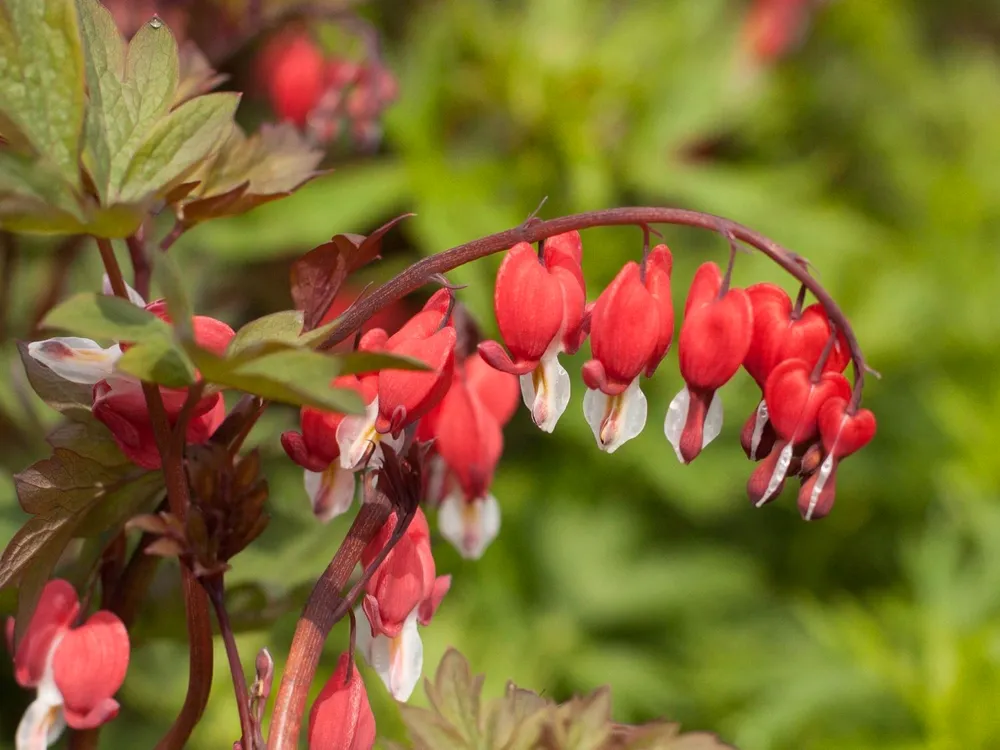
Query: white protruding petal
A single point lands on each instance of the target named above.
(713, 421)
(825, 469)
(760, 422)
(355, 433)
(331, 491)
(615, 420)
(673, 424)
(398, 661)
(546, 391)
(42, 724)
(469, 526)
(778, 475)
(75, 359)
(133, 296)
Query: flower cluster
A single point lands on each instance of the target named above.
(119, 401)
(329, 97)
(75, 669)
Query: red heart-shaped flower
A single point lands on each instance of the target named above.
(793, 399)
(843, 433)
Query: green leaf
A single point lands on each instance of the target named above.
(177, 143)
(33, 194)
(129, 92)
(72, 399)
(283, 327)
(167, 276)
(248, 172)
(100, 316)
(357, 363)
(300, 377)
(196, 75)
(455, 695)
(159, 361)
(42, 79)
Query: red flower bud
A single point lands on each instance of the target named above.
(844, 433)
(818, 491)
(715, 337)
(294, 73)
(768, 479)
(758, 436)
(342, 718)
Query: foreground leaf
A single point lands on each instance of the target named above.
(158, 360)
(100, 316)
(72, 399)
(42, 79)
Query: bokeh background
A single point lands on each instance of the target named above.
(865, 136)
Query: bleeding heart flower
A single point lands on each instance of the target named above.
(794, 397)
(404, 396)
(540, 309)
(331, 486)
(714, 339)
(294, 70)
(342, 718)
(75, 670)
(630, 332)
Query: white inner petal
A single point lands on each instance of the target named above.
(355, 433)
(673, 424)
(615, 420)
(546, 391)
(713, 421)
(760, 422)
(824, 475)
(778, 475)
(397, 661)
(75, 359)
(41, 725)
(331, 491)
(470, 527)
(133, 296)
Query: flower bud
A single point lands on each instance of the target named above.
(342, 718)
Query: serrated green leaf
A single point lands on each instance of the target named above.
(300, 377)
(176, 144)
(158, 360)
(42, 79)
(129, 91)
(167, 276)
(72, 399)
(455, 695)
(196, 76)
(502, 716)
(100, 316)
(283, 327)
(429, 731)
(248, 172)
(34, 196)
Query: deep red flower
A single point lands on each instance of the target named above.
(342, 718)
(794, 398)
(714, 339)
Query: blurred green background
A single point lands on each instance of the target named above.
(872, 148)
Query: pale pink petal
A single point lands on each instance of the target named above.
(75, 359)
(615, 420)
(546, 391)
(330, 491)
(355, 434)
(469, 526)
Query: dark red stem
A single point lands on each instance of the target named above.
(216, 594)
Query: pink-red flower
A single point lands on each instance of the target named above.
(842, 432)
(317, 449)
(341, 717)
(294, 70)
(539, 305)
(76, 670)
(466, 428)
(118, 398)
(714, 339)
(404, 590)
(631, 327)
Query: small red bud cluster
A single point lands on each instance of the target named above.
(328, 97)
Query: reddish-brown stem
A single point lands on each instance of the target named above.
(416, 275)
(216, 593)
(800, 300)
(8, 267)
(172, 236)
(60, 266)
(140, 262)
(84, 739)
(195, 600)
(324, 607)
(817, 372)
(727, 279)
(134, 582)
